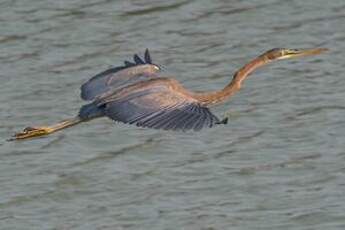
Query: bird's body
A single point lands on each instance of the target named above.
(137, 93)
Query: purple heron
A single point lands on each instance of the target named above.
(137, 93)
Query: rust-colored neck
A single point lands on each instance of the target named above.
(216, 96)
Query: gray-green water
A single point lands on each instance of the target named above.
(278, 164)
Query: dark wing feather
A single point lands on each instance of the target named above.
(148, 56)
(129, 64)
(120, 76)
(138, 60)
(158, 108)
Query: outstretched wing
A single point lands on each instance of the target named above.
(157, 106)
(117, 77)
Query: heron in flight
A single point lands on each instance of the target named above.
(137, 93)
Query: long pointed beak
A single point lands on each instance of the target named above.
(289, 53)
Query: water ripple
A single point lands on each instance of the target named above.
(278, 164)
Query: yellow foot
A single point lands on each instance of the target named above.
(31, 132)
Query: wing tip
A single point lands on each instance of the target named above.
(146, 60)
(147, 56)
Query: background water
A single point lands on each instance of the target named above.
(278, 164)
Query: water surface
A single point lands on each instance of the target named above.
(278, 164)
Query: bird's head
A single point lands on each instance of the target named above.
(283, 53)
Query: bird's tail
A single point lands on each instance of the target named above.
(90, 111)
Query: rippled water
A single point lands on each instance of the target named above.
(278, 164)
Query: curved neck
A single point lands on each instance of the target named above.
(235, 84)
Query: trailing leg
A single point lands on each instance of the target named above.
(30, 132)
